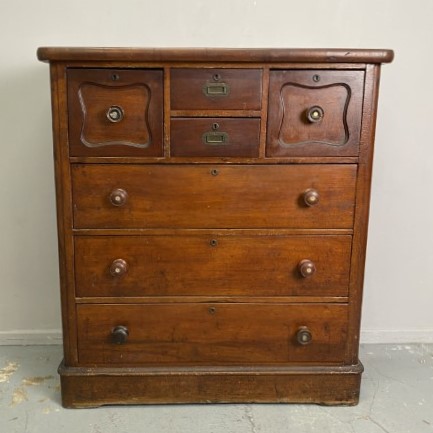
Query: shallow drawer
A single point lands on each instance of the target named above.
(115, 112)
(218, 334)
(187, 264)
(215, 137)
(314, 113)
(213, 196)
(216, 89)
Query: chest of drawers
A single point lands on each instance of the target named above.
(212, 220)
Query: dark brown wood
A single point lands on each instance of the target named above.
(137, 94)
(92, 387)
(216, 89)
(240, 55)
(226, 275)
(215, 136)
(211, 334)
(193, 265)
(214, 196)
(335, 97)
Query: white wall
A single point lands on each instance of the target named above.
(399, 276)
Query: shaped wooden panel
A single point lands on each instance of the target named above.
(314, 113)
(115, 112)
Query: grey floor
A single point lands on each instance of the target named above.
(396, 396)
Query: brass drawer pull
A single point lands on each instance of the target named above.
(216, 89)
(304, 336)
(115, 114)
(215, 138)
(120, 334)
(118, 268)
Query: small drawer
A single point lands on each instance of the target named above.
(213, 196)
(216, 89)
(215, 137)
(211, 334)
(314, 113)
(212, 265)
(115, 112)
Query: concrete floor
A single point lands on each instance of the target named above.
(396, 397)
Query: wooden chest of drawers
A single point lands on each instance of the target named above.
(212, 218)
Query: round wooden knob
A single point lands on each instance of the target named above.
(306, 268)
(118, 197)
(118, 268)
(311, 197)
(120, 334)
(304, 336)
(315, 114)
(115, 114)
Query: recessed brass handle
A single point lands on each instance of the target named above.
(215, 138)
(311, 197)
(306, 268)
(115, 114)
(315, 114)
(120, 334)
(118, 268)
(216, 89)
(304, 336)
(118, 197)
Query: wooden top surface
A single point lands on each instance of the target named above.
(241, 55)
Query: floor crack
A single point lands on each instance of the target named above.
(250, 418)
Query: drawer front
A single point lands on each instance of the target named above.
(212, 265)
(213, 196)
(216, 89)
(213, 334)
(115, 112)
(314, 113)
(215, 137)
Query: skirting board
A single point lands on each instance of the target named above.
(368, 336)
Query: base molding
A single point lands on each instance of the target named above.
(93, 387)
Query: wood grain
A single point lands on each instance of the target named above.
(197, 197)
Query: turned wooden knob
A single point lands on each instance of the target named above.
(304, 336)
(118, 268)
(311, 197)
(306, 268)
(315, 114)
(118, 197)
(120, 334)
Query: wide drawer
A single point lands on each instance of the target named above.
(213, 334)
(216, 89)
(215, 137)
(115, 112)
(213, 196)
(182, 265)
(314, 113)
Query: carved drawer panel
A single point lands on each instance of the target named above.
(213, 196)
(115, 112)
(314, 113)
(215, 137)
(219, 334)
(216, 89)
(212, 264)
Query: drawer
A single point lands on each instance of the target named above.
(215, 137)
(213, 196)
(213, 334)
(212, 265)
(314, 113)
(115, 112)
(216, 89)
